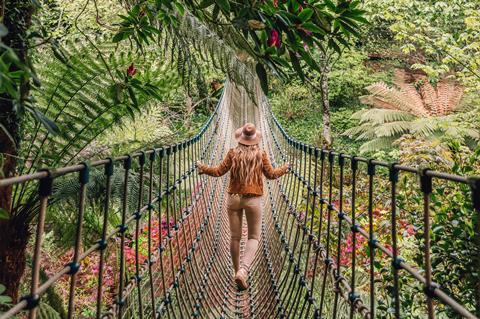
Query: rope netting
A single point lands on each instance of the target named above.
(171, 245)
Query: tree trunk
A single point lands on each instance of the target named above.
(16, 16)
(13, 243)
(327, 133)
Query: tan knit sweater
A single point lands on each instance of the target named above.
(237, 186)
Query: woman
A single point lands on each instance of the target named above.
(246, 163)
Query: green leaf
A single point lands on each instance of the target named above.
(330, 5)
(122, 35)
(306, 14)
(262, 75)
(3, 30)
(5, 300)
(180, 8)
(358, 18)
(223, 4)
(332, 44)
(205, 4)
(3, 215)
(133, 97)
(59, 54)
(313, 28)
(296, 65)
(50, 125)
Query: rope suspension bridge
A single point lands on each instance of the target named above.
(301, 269)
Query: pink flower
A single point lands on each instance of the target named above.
(275, 3)
(131, 71)
(410, 230)
(302, 215)
(274, 39)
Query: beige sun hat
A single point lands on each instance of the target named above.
(248, 135)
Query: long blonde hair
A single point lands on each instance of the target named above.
(247, 164)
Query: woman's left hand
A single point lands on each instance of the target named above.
(199, 166)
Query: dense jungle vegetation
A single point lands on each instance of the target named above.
(396, 80)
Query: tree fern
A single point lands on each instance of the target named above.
(413, 93)
(413, 106)
(393, 129)
(86, 97)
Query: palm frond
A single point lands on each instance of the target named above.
(215, 44)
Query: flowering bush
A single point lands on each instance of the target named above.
(87, 277)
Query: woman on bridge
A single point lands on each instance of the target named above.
(247, 163)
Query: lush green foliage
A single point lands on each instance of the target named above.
(299, 107)
(274, 33)
(444, 34)
(119, 76)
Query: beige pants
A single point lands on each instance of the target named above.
(253, 211)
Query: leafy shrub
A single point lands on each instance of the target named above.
(348, 78)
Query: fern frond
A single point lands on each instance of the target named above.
(380, 116)
(416, 95)
(80, 97)
(393, 129)
(424, 127)
(377, 144)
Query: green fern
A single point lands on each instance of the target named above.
(377, 144)
(191, 42)
(65, 200)
(47, 312)
(380, 128)
(86, 97)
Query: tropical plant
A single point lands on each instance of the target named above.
(64, 201)
(414, 94)
(413, 106)
(86, 89)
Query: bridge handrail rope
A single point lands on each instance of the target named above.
(297, 272)
(288, 145)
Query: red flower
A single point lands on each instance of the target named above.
(275, 3)
(131, 71)
(274, 39)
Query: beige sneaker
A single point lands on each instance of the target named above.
(241, 279)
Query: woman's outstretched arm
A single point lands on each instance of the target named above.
(219, 170)
(269, 171)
